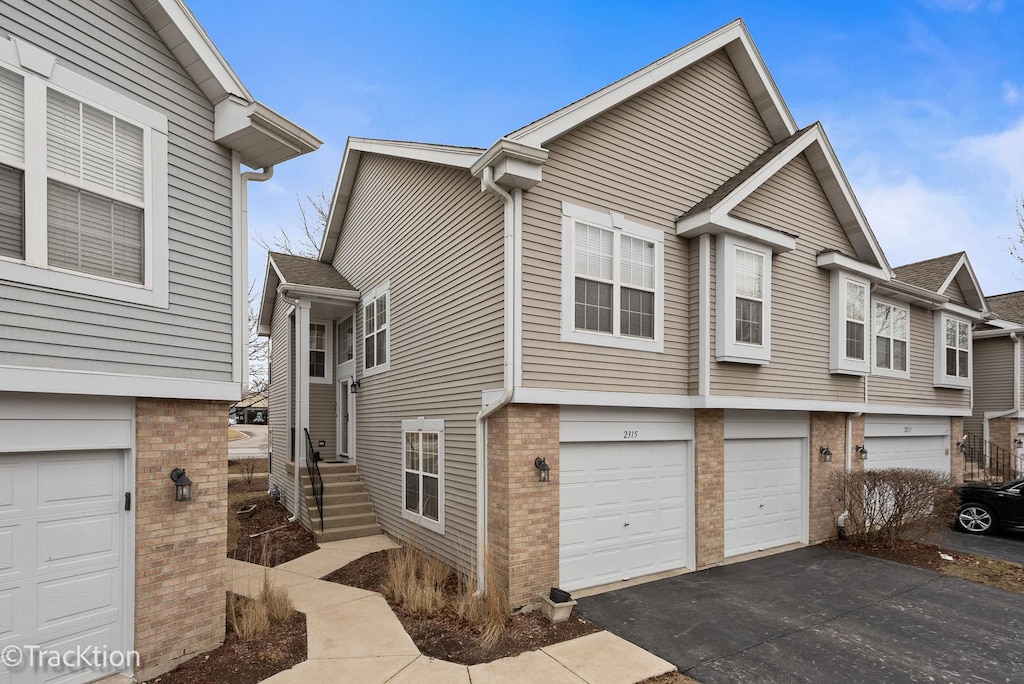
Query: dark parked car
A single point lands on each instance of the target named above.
(983, 507)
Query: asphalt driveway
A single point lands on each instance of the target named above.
(1007, 545)
(814, 615)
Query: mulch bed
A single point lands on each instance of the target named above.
(989, 571)
(449, 637)
(287, 543)
(245, 662)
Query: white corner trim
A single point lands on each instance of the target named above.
(52, 380)
(239, 275)
(704, 317)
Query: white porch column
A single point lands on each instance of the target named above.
(301, 396)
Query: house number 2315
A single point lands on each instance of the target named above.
(630, 434)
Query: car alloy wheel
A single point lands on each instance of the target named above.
(975, 519)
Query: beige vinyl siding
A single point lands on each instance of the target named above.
(323, 419)
(919, 389)
(650, 158)
(437, 240)
(111, 43)
(281, 372)
(993, 380)
(956, 294)
(792, 201)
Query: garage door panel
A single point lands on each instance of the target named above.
(88, 595)
(62, 542)
(929, 452)
(642, 484)
(105, 634)
(764, 499)
(76, 482)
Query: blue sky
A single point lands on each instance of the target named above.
(922, 100)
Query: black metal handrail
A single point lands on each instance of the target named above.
(315, 479)
(987, 462)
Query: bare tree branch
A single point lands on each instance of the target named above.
(313, 213)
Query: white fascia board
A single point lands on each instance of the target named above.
(319, 294)
(733, 36)
(831, 261)
(271, 280)
(445, 155)
(339, 202)
(529, 395)
(964, 266)
(1004, 328)
(181, 32)
(905, 292)
(262, 136)
(957, 309)
(56, 381)
(710, 223)
(839, 192)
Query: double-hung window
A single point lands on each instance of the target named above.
(319, 352)
(743, 331)
(613, 282)
(423, 472)
(892, 339)
(850, 305)
(952, 351)
(346, 341)
(376, 343)
(83, 183)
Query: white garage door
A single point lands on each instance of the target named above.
(764, 499)
(61, 556)
(928, 452)
(625, 511)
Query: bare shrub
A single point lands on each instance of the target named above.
(489, 611)
(248, 470)
(275, 600)
(416, 580)
(883, 506)
(248, 618)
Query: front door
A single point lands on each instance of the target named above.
(346, 419)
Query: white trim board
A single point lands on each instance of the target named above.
(55, 381)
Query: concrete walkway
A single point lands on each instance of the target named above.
(352, 635)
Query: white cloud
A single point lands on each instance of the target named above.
(997, 157)
(1011, 92)
(967, 6)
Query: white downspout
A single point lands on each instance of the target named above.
(243, 265)
(850, 417)
(487, 184)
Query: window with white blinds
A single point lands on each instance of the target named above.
(83, 191)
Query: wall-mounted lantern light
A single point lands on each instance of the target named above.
(354, 387)
(545, 470)
(861, 452)
(182, 485)
(1018, 443)
(826, 454)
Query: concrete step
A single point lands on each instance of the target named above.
(330, 498)
(333, 477)
(360, 508)
(336, 488)
(336, 522)
(326, 467)
(345, 533)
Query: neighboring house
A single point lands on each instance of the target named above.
(122, 324)
(251, 409)
(998, 382)
(666, 293)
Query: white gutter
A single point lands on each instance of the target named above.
(512, 214)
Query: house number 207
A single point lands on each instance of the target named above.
(630, 434)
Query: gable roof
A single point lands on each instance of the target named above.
(262, 136)
(1008, 306)
(712, 214)
(734, 38)
(299, 275)
(939, 274)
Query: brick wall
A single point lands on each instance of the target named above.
(179, 546)
(709, 486)
(828, 430)
(956, 457)
(522, 512)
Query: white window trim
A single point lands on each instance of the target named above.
(426, 425)
(383, 288)
(726, 347)
(941, 379)
(33, 269)
(839, 362)
(328, 352)
(889, 372)
(620, 225)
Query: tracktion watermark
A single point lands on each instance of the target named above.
(79, 658)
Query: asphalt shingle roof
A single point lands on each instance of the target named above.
(1008, 306)
(930, 273)
(298, 270)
